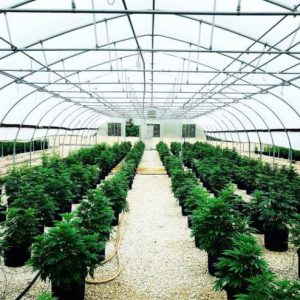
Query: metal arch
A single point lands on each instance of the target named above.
(225, 136)
(283, 126)
(35, 129)
(81, 122)
(217, 137)
(234, 127)
(183, 42)
(242, 124)
(62, 122)
(242, 79)
(24, 119)
(224, 28)
(276, 96)
(230, 133)
(95, 121)
(221, 27)
(263, 120)
(56, 117)
(85, 123)
(69, 125)
(91, 130)
(43, 88)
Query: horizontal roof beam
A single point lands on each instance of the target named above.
(255, 130)
(141, 82)
(8, 125)
(150, 12)
(255, 72)
(156, 50)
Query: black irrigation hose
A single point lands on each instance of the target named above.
(24, 292)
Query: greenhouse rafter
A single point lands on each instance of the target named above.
(128, 59)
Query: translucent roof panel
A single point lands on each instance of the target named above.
(230, 65)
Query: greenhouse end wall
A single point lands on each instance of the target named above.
(170, 130)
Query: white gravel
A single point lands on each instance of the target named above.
(159, 259)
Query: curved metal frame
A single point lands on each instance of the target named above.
(198, 20)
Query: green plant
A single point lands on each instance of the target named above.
(45, 296)
(295, 230)
(197, 197)
(107, 160)
(228, 195)
(57, 183)
(214, 225)
(65, 255)
(20, 227)
(267, 287)
(275, 208)
(184, 184)
(95, 214)
(82, 178)
(132, 130)
(163, 150)
(175, 148)
(114, 189)
(243, 260)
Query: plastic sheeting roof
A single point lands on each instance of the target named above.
(233, 65)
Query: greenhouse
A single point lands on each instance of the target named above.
(150, 149)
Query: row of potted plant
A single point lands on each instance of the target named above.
(76, 245)
(280, 152)
(221, 229)
(69, 260)
(272, 208)
(7, 148)
(39, 195)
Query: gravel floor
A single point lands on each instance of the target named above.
(159, 259)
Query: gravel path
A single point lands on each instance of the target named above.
(159, 259)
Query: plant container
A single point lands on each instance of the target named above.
(190, 221)
(211, 261)
(16, 256)
(197, 242)
(115, 220)
(232, 292)
(2, 213)
(184, 211)
(257, 224)
(75, 291)
(276, 239)
(298, 252)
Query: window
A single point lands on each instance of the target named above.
(188, 130)
(114, 129)
(156, 130)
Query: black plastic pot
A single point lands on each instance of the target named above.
(276, 239)
(16, 256)
(257, 224)
(298, 251)
(115, 220)
(75, 291)
(184, 211)
(232, 292)
(197, 242)
(2, 213)
(211, 261)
